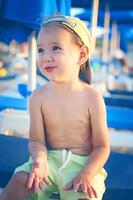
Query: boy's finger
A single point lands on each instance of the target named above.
(42, 186)
(46, 180)
(94, 192)
(90, 192)
(30, 180)
(69, 186)
(76, 187)
(84, 188)
(36, 184)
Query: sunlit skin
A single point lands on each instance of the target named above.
(66, 110)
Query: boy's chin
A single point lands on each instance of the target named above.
(56, 79)
(53, 77)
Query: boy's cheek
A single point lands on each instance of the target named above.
(38, 61)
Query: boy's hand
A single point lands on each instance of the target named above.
(82, 183)
(38, 175)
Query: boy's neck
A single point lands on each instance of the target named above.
(65, 86)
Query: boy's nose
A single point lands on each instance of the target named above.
(47, 58)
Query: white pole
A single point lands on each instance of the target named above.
(94, 21)
(105, 49)
(32, 62)
(113, 38)
(118, 40)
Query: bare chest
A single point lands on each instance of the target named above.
(66, 114)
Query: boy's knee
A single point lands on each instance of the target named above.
(20, 179)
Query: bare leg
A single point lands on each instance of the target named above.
(16, 188)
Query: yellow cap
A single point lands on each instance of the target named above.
(76, 25)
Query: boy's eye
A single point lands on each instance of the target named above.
(40, 50)
(56, 48)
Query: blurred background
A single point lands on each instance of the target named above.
(111, 25)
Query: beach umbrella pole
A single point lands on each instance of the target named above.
(32, 62)
(94, 21)
(105, 48)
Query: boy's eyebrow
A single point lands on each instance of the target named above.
(55, 43)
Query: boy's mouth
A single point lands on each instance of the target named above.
(49, 69)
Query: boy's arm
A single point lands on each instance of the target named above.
(37, 147)
(100, 138)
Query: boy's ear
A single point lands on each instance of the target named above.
(83, 55)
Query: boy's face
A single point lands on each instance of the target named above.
(58, 53)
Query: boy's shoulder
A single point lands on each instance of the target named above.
(39, 93)
(92, 91)
(41, 90)
(93, 95)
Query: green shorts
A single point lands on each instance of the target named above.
(63, 167)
